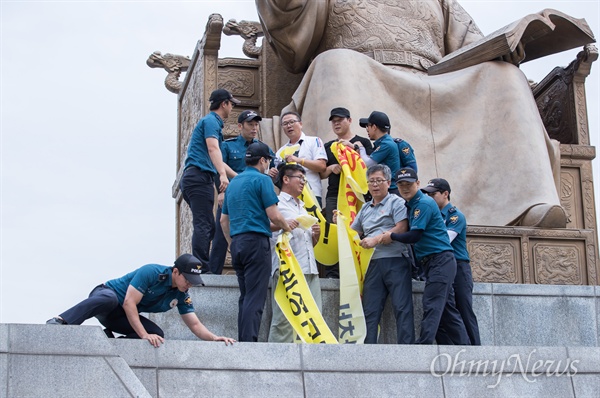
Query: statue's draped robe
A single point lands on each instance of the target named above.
(479, 128)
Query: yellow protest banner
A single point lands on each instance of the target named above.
(352, 328)
(353, 259)
(353, 175)
(295, 300)
(353, 186)
(289, 150)
(306, 221)
(326, 249)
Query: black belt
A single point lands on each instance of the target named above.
(429, 257)
(196, 167)
(252, 233)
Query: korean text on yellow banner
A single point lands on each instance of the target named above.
(351, 322)
(295, 300)
(353, 186)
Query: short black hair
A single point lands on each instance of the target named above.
(285, 169)
(292, 113)
(216, 105)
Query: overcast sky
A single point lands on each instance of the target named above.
(88, 136)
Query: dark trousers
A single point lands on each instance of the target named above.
(389, 276)
(439, 308)
(251, 260)
(463, 293)
(218, 250)
(103, 304)
(198, 191)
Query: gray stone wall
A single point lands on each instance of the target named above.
(79, 361)
(508, 314)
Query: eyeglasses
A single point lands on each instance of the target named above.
(376, 182)
(432, 193)
(301, 178)
(232, 104)
(289, 123)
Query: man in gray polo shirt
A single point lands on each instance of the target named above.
(389, 271)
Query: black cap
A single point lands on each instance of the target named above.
(249, 115)
(191, 268)
(258, 149)
(406, 174)
(377, 118)
(339, 112)
(220, 95)
(437, 185)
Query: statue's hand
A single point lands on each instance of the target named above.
(516, 56)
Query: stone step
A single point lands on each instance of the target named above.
(508, 315)
(79, 361)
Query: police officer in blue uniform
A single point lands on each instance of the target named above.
(427, 232)
(204, 168)
(407, 154)
(395, 153)
(234, 155)
(250, 202)
(151, 288)
(385, 149)
(389, 271)
(456, 223)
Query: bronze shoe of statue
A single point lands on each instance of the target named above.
(544, 216)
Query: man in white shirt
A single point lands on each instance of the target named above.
(311, 155)
(291, 180)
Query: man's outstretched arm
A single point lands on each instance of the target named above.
(201, 331)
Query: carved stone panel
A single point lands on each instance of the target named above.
(570, 196)
(533, 255)
(185, 228)
(555, 103)
(242, 83)
(191, 108)
(495, 261)
(587, 196)
(559, 264)
(241, 78)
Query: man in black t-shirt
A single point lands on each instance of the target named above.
(340, 122)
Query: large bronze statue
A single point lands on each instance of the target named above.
(478, 127)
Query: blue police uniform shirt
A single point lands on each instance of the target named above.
(424, 214)
(246, 198)
(456, 221)
(407, 155)
(386, 152)
(155, 283)
(210, 125)
(234, 152)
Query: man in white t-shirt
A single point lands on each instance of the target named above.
(311, 155)
(291, 180)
